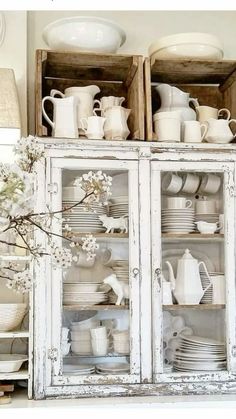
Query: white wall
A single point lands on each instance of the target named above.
(13, 54)
(141, 28)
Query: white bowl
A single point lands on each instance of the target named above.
(84, 33)
(187, 45)
(11, 362)
(81, 287)
(11, 316)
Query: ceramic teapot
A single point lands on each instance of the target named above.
(116, 127)
(85, 96)
(174, 99)
(187, 286)
(219, 131)
(64, 122)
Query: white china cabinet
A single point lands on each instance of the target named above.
(154, 329)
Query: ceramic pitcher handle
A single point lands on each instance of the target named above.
(226, 111)
(188, 203)
(55, 92)
(51, 99)
(95, 110)
(233, 120)
(204, 128)
(193, 101)
(96, 101)
(208, 276)
(83, 127)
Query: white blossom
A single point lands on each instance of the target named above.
(21, 282)
(89, 245)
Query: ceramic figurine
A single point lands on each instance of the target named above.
(120, 289)
(112, 224)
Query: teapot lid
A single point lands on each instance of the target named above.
(187, 255)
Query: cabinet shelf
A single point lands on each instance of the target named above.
(110, 355)
(104, 236)
(12, 258)
(101, 307)
(14, 334)
(194, 306)
(18, 375)
(166, 237)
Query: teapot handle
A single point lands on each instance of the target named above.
(51, 99)
(193, 101)
(208, 277)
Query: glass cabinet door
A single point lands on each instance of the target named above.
(94, 332)
(193, 269)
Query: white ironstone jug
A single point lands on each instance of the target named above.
(116, 127)
(64, 122)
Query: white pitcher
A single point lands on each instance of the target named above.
(116, 127)
(108, 102)
(64, 122)
(85, 95)
(93, 127)
(219, 131)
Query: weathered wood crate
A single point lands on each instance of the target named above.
(116, 75)
(212, 82)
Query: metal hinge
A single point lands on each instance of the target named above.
(233, 351)
(53, 188)
(53, 354)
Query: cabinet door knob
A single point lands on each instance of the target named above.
(135, 272)
(157, 277)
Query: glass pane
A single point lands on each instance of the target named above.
(96, 317)
(193, 282)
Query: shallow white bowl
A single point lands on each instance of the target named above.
(11, 315)
(187, 45)
(11, 362)
(81, 287)
(84, 33)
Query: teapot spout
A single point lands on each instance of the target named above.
(171, 275)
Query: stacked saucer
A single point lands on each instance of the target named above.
(78, 369)
(113, 368)
(121, 342)
(209, 218)
(119, 206)
(82, 220)
(196, 353)
(74, 294)
(178, 220)
(121, 269)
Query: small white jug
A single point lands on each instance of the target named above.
(116, 127)
(64, 122)
(108, 102)
(93, 127)
(219, 131)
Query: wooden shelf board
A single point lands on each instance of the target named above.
(14, 334)
(101, 236)
(194, 306)
(101, 307)
(19, 375)
(71, 356)
(192, 236)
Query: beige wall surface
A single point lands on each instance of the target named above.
(142, 28)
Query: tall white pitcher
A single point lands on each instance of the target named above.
(64, 122)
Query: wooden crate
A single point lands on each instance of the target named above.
(116, 75)
(212, 82)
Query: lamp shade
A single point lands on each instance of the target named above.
(10, 123)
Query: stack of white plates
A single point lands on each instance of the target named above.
(178, 220)
(196, 353)
(82, 220)
(112, 368)
(121, 269)
(78, 369)
(209, 218)
(121, 342)
(119, 209)
(84, 298)
(207, 297)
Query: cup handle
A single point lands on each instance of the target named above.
(188, 203)
(232, 120)
(226, 111)
(83, 127)
(204, 128)
(220, 225)
(51, 99)
(55, 92)
(193, 101)
(208, 276)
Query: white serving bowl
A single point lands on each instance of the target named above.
(81, 287)
(84, 33)
(187, 45)
(11, 316)
(11, 362)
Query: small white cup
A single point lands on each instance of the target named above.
(93, 127)
(178, 203)
(205, 207)
(171, 183)
(190, 183)
(210, 184)
(194, 131)
(100, 332)
(100, 346)
(167, 126)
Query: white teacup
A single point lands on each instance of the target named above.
(206, 112)
(167, 126)
(194, 131)
(178, 203)
(171, 183)
(190, 183)
(93, 127)
(205, 207)
(207, 228)
(210, 184)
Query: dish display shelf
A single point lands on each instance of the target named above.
(115, 75)
(211, 82)
(152, 324)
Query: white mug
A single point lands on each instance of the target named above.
(194, 131)
(210, 184)
(100, 332)
(178, 203)
(190, 183)
(100, 346)
(171, 183)
(218, 283)
(93, 127)
(205, 207)
(167, 126)
(206, 112)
